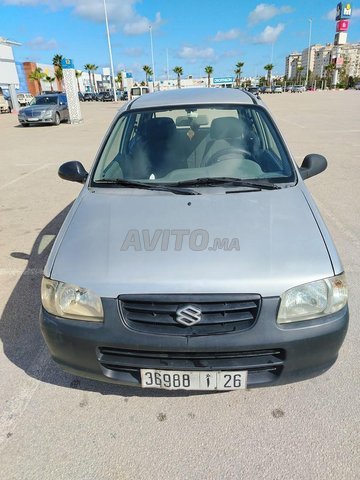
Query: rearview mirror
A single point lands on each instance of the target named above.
(312, 165)
(73, 171)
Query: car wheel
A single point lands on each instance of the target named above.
(57, 119)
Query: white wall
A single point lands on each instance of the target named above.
(8, 73)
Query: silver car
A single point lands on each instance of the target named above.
(148, 286)
(46, 109)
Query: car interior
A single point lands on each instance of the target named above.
(182, 144)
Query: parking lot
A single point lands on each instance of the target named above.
(54, 425)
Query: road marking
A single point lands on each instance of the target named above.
(25, 175)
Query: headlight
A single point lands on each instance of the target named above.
(313, 300)
(69, 301)
(47, 114)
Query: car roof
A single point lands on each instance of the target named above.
(193, 96)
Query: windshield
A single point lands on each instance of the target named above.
(183, 144)
(44, 100)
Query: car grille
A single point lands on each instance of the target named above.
(263, 366)
(221, 314)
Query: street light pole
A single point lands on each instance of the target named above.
(152, 56)
(110, 52)
(308, 59)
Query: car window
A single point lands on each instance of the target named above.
(177, 144)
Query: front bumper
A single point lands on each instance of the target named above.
(31, 121)
(271, 354)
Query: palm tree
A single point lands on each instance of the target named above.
(329, 71)
(179, 72)
(299, 74)
(78, 74)
(238, 69)
(269, 67)
(36, 76)
(88, 68)
(59, 77)
(94, 68)
(57, 58)
(50, 80)
(148, 73)
(209, 70)
(119, 79)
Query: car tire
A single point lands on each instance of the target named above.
(57, 119)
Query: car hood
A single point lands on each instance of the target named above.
(279, 243)
(37, 108)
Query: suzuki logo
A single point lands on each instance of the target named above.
(188, 315)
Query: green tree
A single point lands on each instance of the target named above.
(119, 79)
(179, 72)
(36, 76)
(209, 71)
(148, 73)
(88, 68)
(238, 71)
(329, 69)
(93, 70)
(57, 58)
(50, 80)
(299, 71)
(269, 68)
(78, 74)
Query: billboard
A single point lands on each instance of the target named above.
(223, 80)
(340, 38)
(343, 11)
(342, 26)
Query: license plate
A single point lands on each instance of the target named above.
(186, 380)
(33, 119)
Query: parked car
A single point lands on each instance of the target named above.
(298, 89)
(5, 106)
(253, 90)
(136, 92)
(277, 89)
(105, 97)
(266, 89)
(24, 99)
(357, 86)
(194, 257)
(89, 97)
(46, 109)
(124, 96)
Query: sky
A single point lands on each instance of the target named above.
(187, 33)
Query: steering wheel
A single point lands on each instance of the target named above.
(226, 154)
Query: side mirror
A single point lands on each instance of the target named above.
(312, 165)
(73, 171)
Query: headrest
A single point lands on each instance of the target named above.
(160, 128)
(227, 127)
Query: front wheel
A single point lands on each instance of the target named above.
(57, 119)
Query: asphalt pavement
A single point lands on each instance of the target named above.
(56, 426)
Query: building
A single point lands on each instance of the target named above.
(8, 71)
(292, 62)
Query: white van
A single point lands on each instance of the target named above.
(24, 99)
(136, 92)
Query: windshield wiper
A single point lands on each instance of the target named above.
(227, 181)
(147, 186)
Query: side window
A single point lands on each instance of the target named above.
(112, 147)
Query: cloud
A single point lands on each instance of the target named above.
(265, 11)
(122, 14)
(229, 35)
(269, 34)
(39, 43)
(332, 14)
(192, 54)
